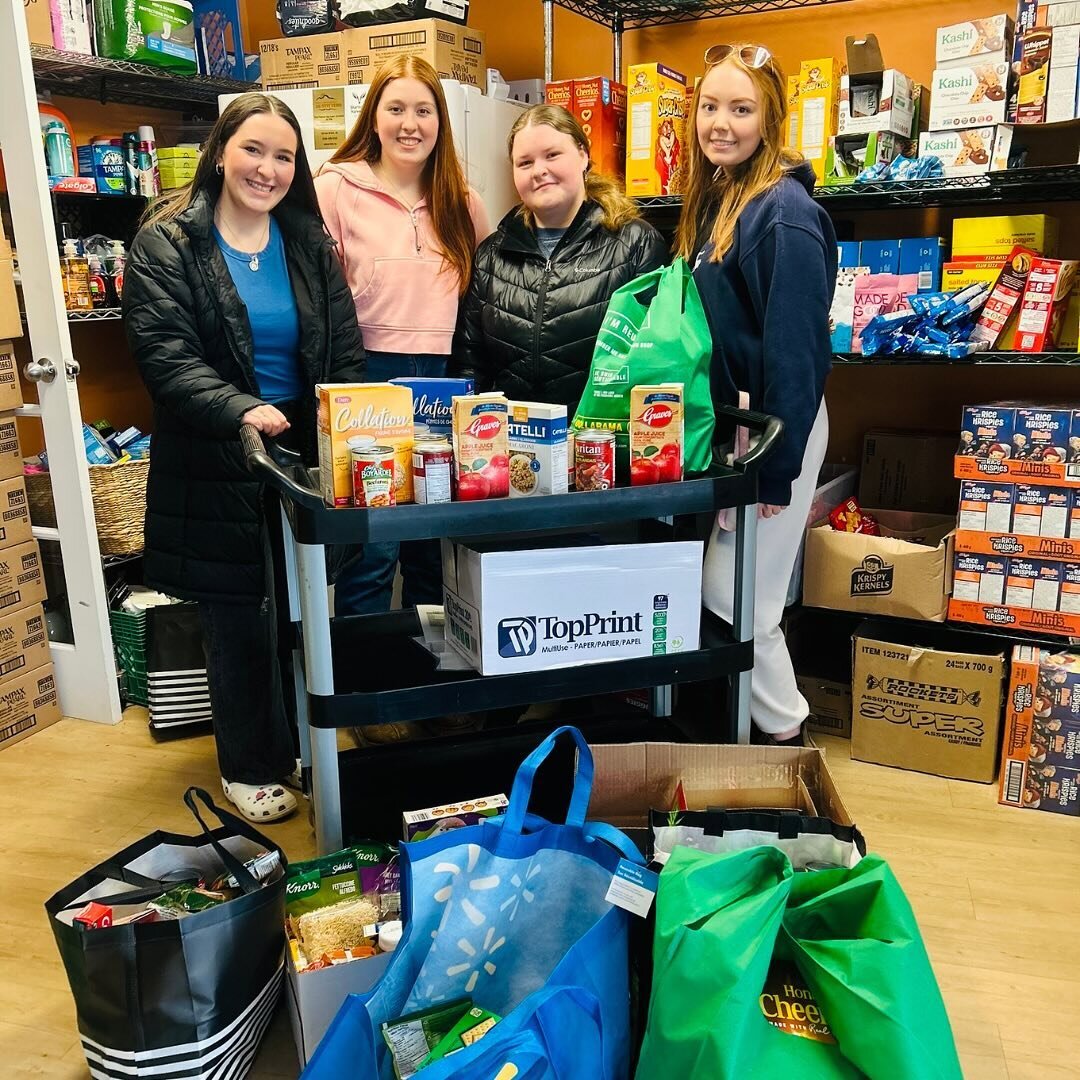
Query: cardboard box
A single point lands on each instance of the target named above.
(1061, 103)
(22, 581)
(880, 256)
(1014, 543)
(14, 513)
(921, 703)
(614, 602)
(11, 459)
(835, 484)
(600, 106)
(970, 96)
(904, 573)
(10, 387)
(28, 704)
(830, 705)
(656, 104)
(10, 323)
(24, 643)
(1046, 300)
(1006, 617)
(978, 40)
(38, 22)
(891, 93)
(1034, 76)
(903, 470)
(925, 256)
(971, 152)
(819, 95)
(978, 239)
(979, 578)
(848, 155)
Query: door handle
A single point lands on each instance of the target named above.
(72, 369)
(43, 370)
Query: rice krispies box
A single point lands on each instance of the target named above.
(987, 431)
(1041, 435)
(655, 141)
(1039, 510)
(985, 506)
(1039, 445)
(979, 577)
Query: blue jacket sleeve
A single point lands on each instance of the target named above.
(787, 277)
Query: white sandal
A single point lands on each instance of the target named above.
(260, 803)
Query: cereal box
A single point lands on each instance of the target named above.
(987, 431)
(481, 447)
(656, 104)
(359, 414)
(1069, 601)
(980, 578)
(979, 39)
(656, 433)
(997, 323)
(537, 449)
(600, 106)
(793, 111)
(1041, 435)
(1033, 583)
(1040, 511)
(1034, 76)
(1074, 515)
(1046, 299)
(560, 93)
(967, 97)
(985, 506)
(431, 400)
(819, 96)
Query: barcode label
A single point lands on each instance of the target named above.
(10, 598)
(827, 721)
(12, 665)
(1014, 781)
(25, 724)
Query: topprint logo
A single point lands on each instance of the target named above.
(517, 637)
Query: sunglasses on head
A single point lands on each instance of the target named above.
(752, 56)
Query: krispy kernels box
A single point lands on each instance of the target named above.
(655, 142)
(363, 414)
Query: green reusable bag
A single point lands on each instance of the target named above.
(654, 331)
(833, 957)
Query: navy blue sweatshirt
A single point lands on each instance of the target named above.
(767, 302)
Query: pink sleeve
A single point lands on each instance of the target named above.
(478, 213)
(326, 188)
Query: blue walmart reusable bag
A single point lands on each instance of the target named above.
(512, 913)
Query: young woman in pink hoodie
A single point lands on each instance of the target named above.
(394, 197)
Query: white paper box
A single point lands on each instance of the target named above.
(895, 111)
(527, 609)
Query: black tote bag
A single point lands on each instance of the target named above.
(184, 998)
(176, 668)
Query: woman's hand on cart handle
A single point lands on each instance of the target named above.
(770, 427)
(768, 510)
(267, 419)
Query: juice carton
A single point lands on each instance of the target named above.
(481, 447)
(1046, 300)
(656, 433)
(819, 98)
(432, 399)
(600, 106)
(1041, 434)
(987, 431)
(363, 413)
(657, 130)
(537, 434)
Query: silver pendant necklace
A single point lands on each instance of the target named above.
(253, 262)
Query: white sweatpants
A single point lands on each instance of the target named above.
(776, 706)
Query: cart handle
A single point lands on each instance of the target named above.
(771, 428)
(259, 461)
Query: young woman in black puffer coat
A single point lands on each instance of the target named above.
(541, 283)
(235, 306)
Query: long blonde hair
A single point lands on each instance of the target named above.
(600, 189)
(710, 191)
(445, 188)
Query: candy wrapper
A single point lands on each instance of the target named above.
(931, 324)
(903, 168)
(850, 517)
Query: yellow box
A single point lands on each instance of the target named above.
(992, 238)
(369, 413)
(818, 87)
(793, 111)
(656, 130)
(1069, 333)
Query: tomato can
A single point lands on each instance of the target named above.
(432, 466)
(594, 464)
(373, 476)
(570, 463)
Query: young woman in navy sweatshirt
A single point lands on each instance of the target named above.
(764, 258)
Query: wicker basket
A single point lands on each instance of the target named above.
(119, 495)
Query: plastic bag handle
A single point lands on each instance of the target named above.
(594, 830)
(521, 793)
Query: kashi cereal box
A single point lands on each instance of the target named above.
(656, 433)
(655, 143)
(481, 447)
(371, 414)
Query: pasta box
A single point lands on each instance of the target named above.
(432, 400)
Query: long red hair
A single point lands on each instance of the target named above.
(445, 188)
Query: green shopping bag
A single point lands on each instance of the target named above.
(654, 331)
(763, 972)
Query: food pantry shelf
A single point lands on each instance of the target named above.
(404, 684)
(633, 14)
(981, 359)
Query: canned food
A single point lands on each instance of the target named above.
(432, 467)
(373, 476)
(570, 469)
(594, 465)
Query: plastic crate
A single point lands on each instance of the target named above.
(129, 642)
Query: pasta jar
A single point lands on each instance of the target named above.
(594, 460)
(373, 476)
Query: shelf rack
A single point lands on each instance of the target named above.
(982, 359)
(97, 315)
(636, 14)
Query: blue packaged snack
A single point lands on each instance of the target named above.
(139, 450)
(432, 400)
(97, 453)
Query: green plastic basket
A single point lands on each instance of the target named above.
(129, 641)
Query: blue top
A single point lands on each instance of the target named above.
(548, 240)
(767, 303)
(275, 323)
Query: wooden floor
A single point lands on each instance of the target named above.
(996, 891)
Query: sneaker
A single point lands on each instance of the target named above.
(260, 803)
(455, 723)
(295, 779)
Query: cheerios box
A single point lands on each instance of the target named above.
(656, 139)
(600, 106)
(359, 414)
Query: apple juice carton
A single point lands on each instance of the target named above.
(655, 142)
(656, 433)
(363, 414)
(481, 447)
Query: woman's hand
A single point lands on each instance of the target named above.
(768, 510)
(267, 419)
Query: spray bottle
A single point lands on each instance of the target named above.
(149, 177)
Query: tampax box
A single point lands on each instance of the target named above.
(1039, 510)
(921, 701)
(537, 436)
(105, 163)
(28, 703)
(925, 256)
(1046, 299)
(819, 98)
(600, 106)
(979, 578)
(614, 602)
(969, 96)
(971, 152)
(14, 513)
(313, 60)
(10, 323)
(1033, 583)
(985, 506)
(987, 431)
(22, 580)
(24, 644)
(1042, 434)
(978, 40)
(11, 460)
(655, 143)
(364, 414)
(977, 239)
(432, 400)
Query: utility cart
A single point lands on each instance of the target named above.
(353, 671)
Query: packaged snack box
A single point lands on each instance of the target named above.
(656, 104)
(966, 97)
(600, 106)
(1033, 583)
(980, 578)
(481, 447)
(1040, 511)
(987, 431)
(1046, 300)
(986, 506)
(420, 824)
(537, 436)
(819, 98)
(970, 152)
(432, 399)
(987, 238)
(1034, 76)
(1069, 601)
(979, 39)
(1041, 434)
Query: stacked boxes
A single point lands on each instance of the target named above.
(177, 165)
(600, 106)
(656, 106)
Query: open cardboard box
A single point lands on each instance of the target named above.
(890, 93)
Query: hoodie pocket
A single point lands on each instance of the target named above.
(408, 294)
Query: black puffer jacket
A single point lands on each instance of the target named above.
(528, 325)
(189, 332)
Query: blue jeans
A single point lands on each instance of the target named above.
(366, 585)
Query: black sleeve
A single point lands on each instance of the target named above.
(347, 360)
(164, 340)
(469, 358)
(650, 252)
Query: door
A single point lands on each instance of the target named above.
(85, 668)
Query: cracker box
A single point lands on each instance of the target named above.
(1040, 511)
(997, 324)
(971, 152)
(979, 578)
(1041, 435)
(28, 703)
(987, 238)
(481, 447)
(600, 106)
(432, 400)
(978, 40)
(970, 96)
(420, 824)
(985, 506)
(819, 98)
(1046, 300)
(1033, 583)
(537, 434)
(1069, 601)
(656, 433)
(358, 414)
(655, 155)
(560, 93)
(957, 275)
(986, 431)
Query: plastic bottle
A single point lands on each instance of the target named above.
(131, 162)
(59, 154)
(75, 274)
(114, 264)
(149, 177)
(99, 285)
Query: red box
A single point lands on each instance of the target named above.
(600, 106)
(94, 917)
(560, 93)
(1000, 308)
(1046, 299)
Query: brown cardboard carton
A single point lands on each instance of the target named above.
(904, 470)
(10, 388)
(830, 705)
(933, 710)
(315, 60)
(38, 22)
(14, 513)
(28, 704)
(24, 644)
(22, 581)
(10, 323)
(11, 461)
(904, 572)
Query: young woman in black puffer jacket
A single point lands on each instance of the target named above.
(541, 283)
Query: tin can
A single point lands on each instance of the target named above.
(594, 465)
(420, 430)
(373, 476)
(432, 467)
(570, 463)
